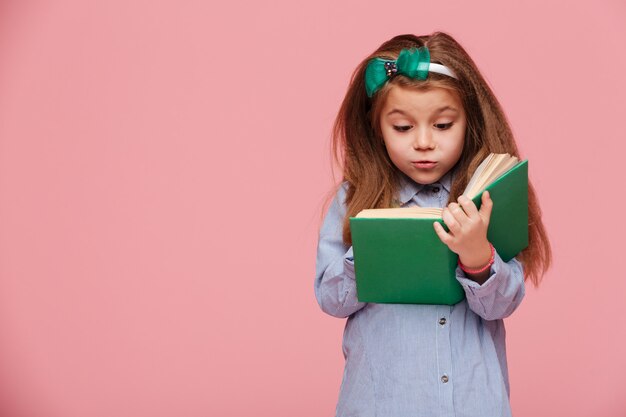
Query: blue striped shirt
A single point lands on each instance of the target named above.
(406, 360)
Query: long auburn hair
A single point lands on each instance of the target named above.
(373, 180)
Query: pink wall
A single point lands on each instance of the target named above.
(162, 170)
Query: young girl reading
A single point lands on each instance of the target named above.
(417, 120)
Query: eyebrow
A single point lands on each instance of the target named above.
(439, 110)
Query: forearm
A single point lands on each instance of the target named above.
(335, 287)
(335, 284)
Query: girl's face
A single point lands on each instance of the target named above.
(424, 131)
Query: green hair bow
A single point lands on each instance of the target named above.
(414, 63)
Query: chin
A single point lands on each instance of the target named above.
(425, 179)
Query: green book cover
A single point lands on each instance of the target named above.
(402, 260)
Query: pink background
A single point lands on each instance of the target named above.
(163, 166)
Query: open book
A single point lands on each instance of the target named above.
(399, 258)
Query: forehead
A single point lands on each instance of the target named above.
(432, 100)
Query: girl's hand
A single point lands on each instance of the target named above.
(468, 230)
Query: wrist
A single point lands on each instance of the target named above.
(479, 261)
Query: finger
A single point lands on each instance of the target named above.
(468, 206)
(486, 207)
(458, 213)
(441, 232)
(448, 218)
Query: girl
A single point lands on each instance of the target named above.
(416, 121)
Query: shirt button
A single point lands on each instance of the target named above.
(435, 189)
(442, 321)
(444, 379)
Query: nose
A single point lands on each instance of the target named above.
(423, 140)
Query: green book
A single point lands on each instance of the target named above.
(402, 260)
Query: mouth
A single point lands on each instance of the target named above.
(424, 164)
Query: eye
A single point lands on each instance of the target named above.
(444, 126)
(402, 128)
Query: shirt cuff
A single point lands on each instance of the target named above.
(487, 287)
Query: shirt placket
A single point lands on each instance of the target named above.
(444, 360)
(434, 195)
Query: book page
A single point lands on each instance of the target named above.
(493, 169)
(478, 173)
(484, 176)
(401, 212)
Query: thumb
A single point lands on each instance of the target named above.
(486, 206)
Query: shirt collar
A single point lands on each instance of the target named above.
(408, 187)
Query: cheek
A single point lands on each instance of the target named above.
(395, 146)
(459, 141)
(393, 151)
(389, 141)
(460, 150)
(455, 148)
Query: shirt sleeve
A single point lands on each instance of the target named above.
(500, 294)
(335, 285)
